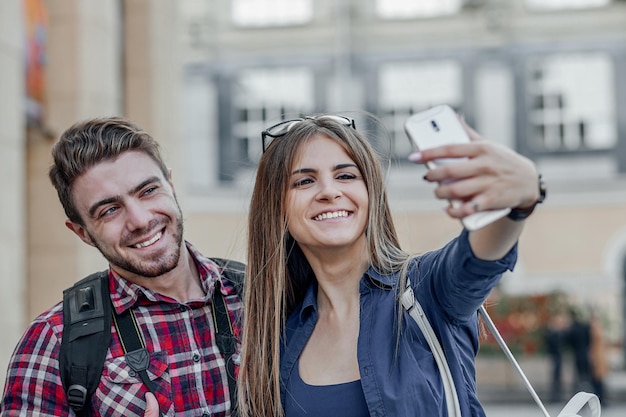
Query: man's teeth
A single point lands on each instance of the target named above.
(149, 242)
(332, 215)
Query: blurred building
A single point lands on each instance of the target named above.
(206, 76)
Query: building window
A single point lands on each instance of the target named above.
(572, 103)
(267, 13)
(264, 97)
(409, 87)
(403, 9)
(565, 4)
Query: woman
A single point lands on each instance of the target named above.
(324, 333)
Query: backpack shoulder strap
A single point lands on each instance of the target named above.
(233, 271)
(134, 346)
(87, 334)
(86, 338)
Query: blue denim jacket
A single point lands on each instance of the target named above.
(399, 376)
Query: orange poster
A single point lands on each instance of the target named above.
(36, 33)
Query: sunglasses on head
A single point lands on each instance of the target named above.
(281, 128)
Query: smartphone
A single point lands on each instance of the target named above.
(439, 126)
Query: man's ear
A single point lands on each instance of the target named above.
(80, 231)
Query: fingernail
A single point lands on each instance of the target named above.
(415, 157)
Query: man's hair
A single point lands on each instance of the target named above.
(91, 142)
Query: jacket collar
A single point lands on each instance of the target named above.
(370, 279)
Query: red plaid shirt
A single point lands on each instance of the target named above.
(186, 365)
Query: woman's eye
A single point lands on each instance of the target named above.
(303, 181)
(346, 176)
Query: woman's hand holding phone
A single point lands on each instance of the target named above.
(482, 180)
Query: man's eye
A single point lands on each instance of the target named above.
(108, 211)
(149, 190)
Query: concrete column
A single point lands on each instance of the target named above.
(12, 144)
(153, 76)
(84, 78)
(105, 58)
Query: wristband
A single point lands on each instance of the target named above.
(519, 214)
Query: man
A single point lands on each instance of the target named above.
(118, 196)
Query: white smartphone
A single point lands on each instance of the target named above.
(439, 126)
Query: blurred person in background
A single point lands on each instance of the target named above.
(579, 340)
(555, 338)
(597, 356)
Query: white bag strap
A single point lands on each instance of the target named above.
(413, 307)
(574, 405)
(577, 403)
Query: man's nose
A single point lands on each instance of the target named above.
(138, 216)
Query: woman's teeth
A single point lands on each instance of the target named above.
(332, 215)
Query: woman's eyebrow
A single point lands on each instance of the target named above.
(303, 171)
(335, 168)
(342, 166)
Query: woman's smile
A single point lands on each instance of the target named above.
(330, 215)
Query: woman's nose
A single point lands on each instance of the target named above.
(328, 191)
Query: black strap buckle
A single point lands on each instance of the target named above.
(138, 360)
(77, 396)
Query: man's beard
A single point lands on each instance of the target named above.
(151, 268)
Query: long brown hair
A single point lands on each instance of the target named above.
(278, 274)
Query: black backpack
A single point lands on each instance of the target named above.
(87, 319)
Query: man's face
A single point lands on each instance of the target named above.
(130, 214)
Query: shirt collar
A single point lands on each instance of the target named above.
(370, 279)
(125, 294)
(383, 281)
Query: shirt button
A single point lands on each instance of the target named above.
(182, 308)
(206, 414)
(132, 373)
(196, 358)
